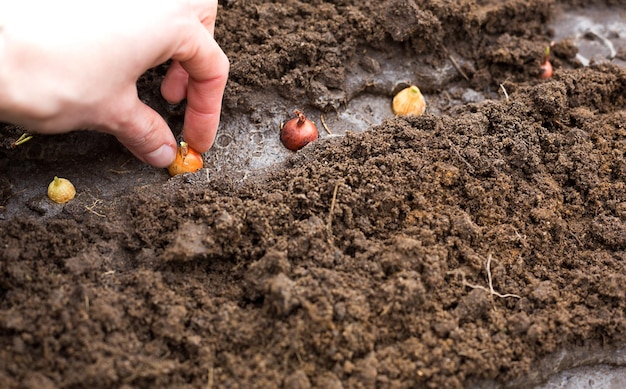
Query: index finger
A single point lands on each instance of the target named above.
(207, 66)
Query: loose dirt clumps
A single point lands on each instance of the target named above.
(445, 250)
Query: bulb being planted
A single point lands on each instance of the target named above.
(187, 160)
(409, 102)
(61, 190)
(298, 132)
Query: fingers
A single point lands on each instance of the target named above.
(174, 85)
(146, 135)
(199, 72)
(207, 67)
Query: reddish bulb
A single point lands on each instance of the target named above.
(298, 132)
(546, 70)
(546, 66)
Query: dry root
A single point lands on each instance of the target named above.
(489, 281)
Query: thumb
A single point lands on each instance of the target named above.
(147, 136)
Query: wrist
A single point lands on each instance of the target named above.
(3, 70)
(16, 73)
(20, 102)
(7, 100)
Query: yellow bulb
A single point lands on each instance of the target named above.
(61, 190)
(409, 101)
(187, 160)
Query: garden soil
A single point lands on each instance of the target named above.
(463, 247)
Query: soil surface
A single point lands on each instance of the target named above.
(453, 249)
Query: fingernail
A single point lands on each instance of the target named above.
(161, 157)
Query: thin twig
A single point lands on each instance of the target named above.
(324, 124)
(506, 95)
(604, 41)
(458, 67)
(580, 243)
(332, 205)
(210, 378)
(458, 153)
(330, 213)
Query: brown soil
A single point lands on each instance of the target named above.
(362, 261)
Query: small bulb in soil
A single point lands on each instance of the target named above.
(298, 132)
(546, 66)
(61, 190)
(409, 102)
(187, 160)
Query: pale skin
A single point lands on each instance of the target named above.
(73, 64)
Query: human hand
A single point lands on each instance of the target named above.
(74, 64)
